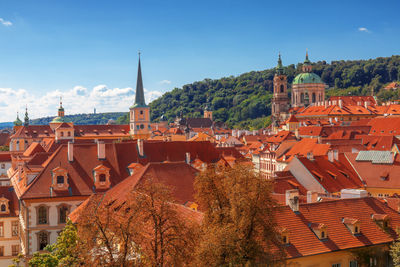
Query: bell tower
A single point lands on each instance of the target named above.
(280, 100)
(139, 113)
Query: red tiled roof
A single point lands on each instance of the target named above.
(385, 126)
(5, 156)
(333, 176)
(286, 181)
(303, 241)
(354, 100)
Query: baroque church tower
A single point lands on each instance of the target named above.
(280, 100)
(139, 113)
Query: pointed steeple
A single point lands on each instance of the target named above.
(307, 61)
(279, 68)
(139, 97)
(26, 120)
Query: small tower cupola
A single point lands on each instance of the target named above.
(61, 109)
(17, 121)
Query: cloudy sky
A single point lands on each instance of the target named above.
(86, 51)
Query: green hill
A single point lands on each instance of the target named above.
(245, 100)
(98, 118)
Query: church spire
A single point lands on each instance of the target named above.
(139, 97)
(17, 121)
(279, 68)
(26, 120)
(307, 61)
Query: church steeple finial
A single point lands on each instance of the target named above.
(139, 97)
(307, 61)
(26, 120)
(279, 68)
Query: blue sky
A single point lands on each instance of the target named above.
(86, 51)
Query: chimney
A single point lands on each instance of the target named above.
(366, 104)
(312, 197)
(310, 155)
(70, 151)
(336, 154)
(358, 103)
(140, 147)
(292, 199)
(187, 157)
(101, 150)
(326, 103)
(340, 103)
(330, 155)
(296, 134)
(353, 193)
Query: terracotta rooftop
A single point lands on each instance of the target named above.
(303, 241)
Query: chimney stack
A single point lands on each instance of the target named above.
(292, 199)
(340, 103)
(101, 150)
(312, 197)
(187, 157)
(140, 147)
(70, 151)
(336, 154)
(330, 155)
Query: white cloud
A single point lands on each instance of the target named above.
(79, 99)
(165, 82)
(5, 22)
(363, 29)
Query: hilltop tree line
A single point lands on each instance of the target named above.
(245, 101)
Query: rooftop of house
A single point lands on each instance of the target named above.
(304, 242)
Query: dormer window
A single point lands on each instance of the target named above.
(381, 219)
(284, 236)
(352, 224)
(4, 205)
(101, 177)
(320, 230)
(60, 179)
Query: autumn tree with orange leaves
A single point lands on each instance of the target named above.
(144, 229)
(238, 227)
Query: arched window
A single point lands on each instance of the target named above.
(282, 88)
(43, 240)
(62, 134)
(69, 133)
(42, 215)
(141, 126)
(62, 214)
(313, 98)
(3, 207)
(102, 178)
(302, 98)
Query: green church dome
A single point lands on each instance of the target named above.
(60, 120)
(307, 77)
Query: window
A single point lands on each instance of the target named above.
(42, 215)
(141, 126)
(3, 207)
(322, 234)
(62, 134)
(14, 228)
(356, 229)
(353, 263)
(336, 265)
(102, 178)
(1, 229)
(14, 250)
(282, 88)
(69, 133)
(1, 251)
(3, 166)
(43, 240)
(60, 179)
(141, 112)
(63, 212)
